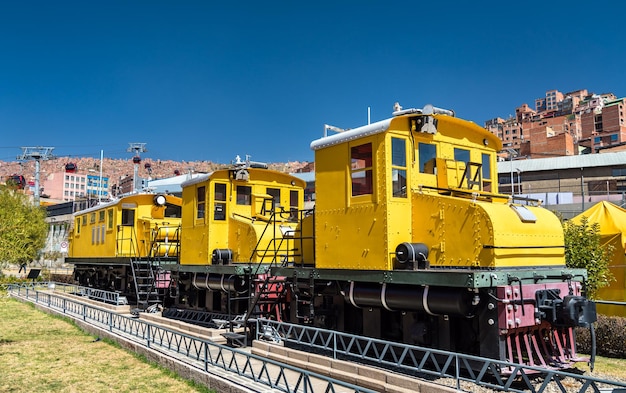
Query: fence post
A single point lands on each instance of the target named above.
(84, 312)
(206, 356)
(458, 372)
(148, 334)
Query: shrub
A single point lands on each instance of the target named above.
(63, 278)
(583, 250)
(610, 337)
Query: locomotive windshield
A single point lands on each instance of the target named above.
(173, 211)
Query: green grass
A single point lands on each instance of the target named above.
(43, 353)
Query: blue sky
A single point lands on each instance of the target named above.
(204, 80)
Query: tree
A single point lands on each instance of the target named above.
(23, 228)
(583, 250)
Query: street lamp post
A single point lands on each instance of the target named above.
(512, 153)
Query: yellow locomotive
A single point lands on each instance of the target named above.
(233, 218)
(116, 245)
(409, 240)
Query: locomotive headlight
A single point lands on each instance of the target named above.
(159, 200)
(485, 142)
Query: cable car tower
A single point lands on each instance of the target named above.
(136, 148)
(38, 154)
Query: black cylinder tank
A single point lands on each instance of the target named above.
(412, 252)
(432, 300)
(220, 282)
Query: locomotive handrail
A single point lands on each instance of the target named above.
(412, 360)
(159, 238)
(469, 193)
(201, 354)
(134, 251)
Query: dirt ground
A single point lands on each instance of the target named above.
(14, 270)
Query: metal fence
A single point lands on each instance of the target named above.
(109, 297)
(197, 352)
(414, 360)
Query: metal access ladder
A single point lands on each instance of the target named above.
(145, 283)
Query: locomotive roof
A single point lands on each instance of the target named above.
(198, 179)
(104, 205)
(383, 125)
(356, 133)
(114, 202)
(204, 177)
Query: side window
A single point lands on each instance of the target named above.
(101, 215)
(293, 204)
(92, 218)
(461, 155)
(398, 167)
(128, 217)
(78, 225)
(200, 202)
(361, 172)
(275, 194)
(427, 154)
(293, 199)
(244, 195)
(110, 219)
(219, 208)
(486, 171)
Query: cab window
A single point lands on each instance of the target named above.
(173, 211)
(486, 171)
(427, 155)
(244, 195)
(275, 194)
(200, 202)
(110, 219)
(219, 208)
(361, 170)
(128, 217)
(293, 204)
(398, 167)
(461, 155)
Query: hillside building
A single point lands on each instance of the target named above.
(69, 186)
(564, 124)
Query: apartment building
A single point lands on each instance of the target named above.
(69, 186)
(509, 131)
(603, 125)
(564, 124)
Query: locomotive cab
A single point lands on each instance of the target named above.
(241, 214)
(422, 179)
(119, 245)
